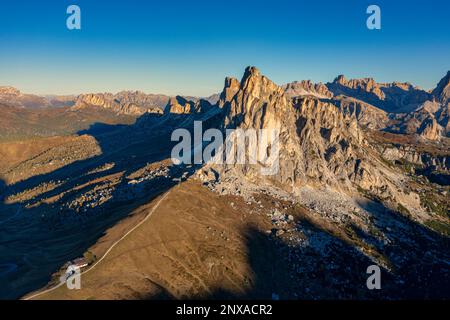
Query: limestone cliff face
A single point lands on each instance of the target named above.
(431, 130)
(320, 144)
(443, 118)
(256, 103)
(430, 121)
(232, 86)
(442, 90)
(410, 110)
(395, 107)
(9, 91)
(409, 154)
(442, 94)
(391, 97)
(180, 105)
(364, 85)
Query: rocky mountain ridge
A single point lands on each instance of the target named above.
(346, 191)
(181, 105)
(396, 107)
(13, 97)
(322, 144)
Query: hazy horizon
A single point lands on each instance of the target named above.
(182, 48)
(303, 161)
(205, 95)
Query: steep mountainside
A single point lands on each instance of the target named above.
(320, 143)
(13, 97)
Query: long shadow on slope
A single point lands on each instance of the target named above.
(113, 141)
(325, 266)
(419, 256)
(34, 244)
(39, 236)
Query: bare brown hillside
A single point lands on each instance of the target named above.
(198, 244)
(23, 123)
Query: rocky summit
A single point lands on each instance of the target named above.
(322, 143)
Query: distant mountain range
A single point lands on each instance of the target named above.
(393, 107)
(124, 102)
(28, 115)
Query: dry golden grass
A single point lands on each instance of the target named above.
(194, 245)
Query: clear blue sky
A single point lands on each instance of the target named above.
(188, 47)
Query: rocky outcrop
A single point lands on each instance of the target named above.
(5, 90)
(431, 130)
(306, 87)
(442, 94)
(443, 117)
(320, 144)
(180, 105)
(409, 154)
(430, 121)
(231, 87)
(390, 97)
(396, 107)
(367, 85)
(213, 99)
(442, 90)
(13, 97)
(143, 100)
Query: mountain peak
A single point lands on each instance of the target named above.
(231, 82)
(340, 79)
(250, 72)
